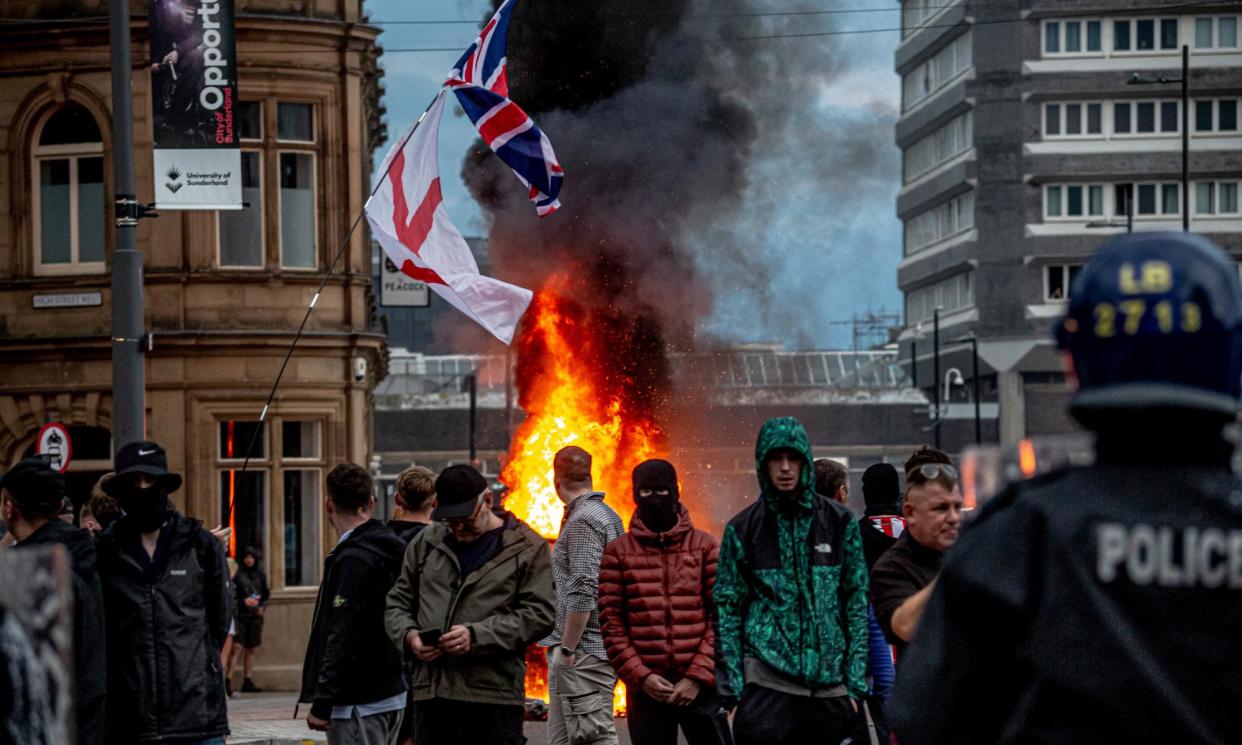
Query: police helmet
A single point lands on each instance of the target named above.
(1155, 320)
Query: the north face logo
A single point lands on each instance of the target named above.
(823, 548)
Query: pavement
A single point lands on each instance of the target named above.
(267, 719)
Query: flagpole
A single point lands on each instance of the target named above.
(336, 258)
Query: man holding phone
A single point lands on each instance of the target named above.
(475, 590)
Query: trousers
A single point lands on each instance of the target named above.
(769, 717)
(377, 729)
(652, 722)
(440, 721)
(580, 700)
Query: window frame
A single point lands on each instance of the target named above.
(1063, 190)
(1131, 23)
(1214, 186)
(73, 153)
(1215, 104)
(1066, 276)
(274, 464)
(955, 209)
(1084, 120)
(1215, 29)
(1157, 118)
(282, 150)
(262, 207)
(1062, 38)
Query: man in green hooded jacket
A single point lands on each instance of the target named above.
(791, 594)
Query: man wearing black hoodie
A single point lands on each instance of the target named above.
(250, 595)
(31, 494)
(352, 675)
(167, 607)
(882, 523)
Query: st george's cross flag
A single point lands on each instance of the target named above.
(480, 81)
(408, 218)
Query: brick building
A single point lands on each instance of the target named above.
(224, 291)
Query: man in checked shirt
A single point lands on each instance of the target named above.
(580, 679)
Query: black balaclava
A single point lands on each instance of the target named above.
(659, 512)
(881, 489)
(148, 507)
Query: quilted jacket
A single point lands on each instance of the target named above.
(656, 609)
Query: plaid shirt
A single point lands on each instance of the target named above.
(587, 527)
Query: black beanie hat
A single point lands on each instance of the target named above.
(36, 487)
(881, 488)
(656, 474)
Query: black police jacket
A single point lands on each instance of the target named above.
(90, 674)
(166, 622)
(1096, 604)
(349, 659)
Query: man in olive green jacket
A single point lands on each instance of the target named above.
(475, 590)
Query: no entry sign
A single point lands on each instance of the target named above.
(54, 442)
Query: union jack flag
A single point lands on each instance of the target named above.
(480, 82)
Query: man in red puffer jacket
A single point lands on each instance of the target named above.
(657, 616)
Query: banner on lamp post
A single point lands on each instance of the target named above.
(194, 103)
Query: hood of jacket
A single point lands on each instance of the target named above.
(375, 540)
(785, 432)
(78, 542)
(675, 534)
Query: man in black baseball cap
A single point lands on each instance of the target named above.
(31, 496)
(164, 577)
(475, 590)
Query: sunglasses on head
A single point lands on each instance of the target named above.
(932, 471)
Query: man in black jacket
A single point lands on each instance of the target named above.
(1102, 603)
(352, 675)
(167, 609)
(30, 497)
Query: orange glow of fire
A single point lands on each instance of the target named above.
(567, 404)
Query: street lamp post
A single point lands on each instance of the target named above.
(974, 379)
(936, 371)
(1137, 79)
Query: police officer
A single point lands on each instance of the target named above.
(1103, 603)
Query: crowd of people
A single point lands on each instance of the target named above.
(1092, 604)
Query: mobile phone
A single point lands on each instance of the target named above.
(429, 637)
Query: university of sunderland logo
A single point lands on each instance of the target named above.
(174, 184)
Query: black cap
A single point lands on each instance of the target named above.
(35, 486)
(881, 486)
(458, 489)
(147, 458)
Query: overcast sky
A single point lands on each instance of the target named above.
(833, 234)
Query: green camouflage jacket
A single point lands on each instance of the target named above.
(791, 584)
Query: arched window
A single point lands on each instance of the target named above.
(69, 209)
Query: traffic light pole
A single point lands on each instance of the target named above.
(128, 383)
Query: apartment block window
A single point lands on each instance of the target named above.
(939, 223)
(1151, 200)
(1073, 119)
(1147, 117)
(1216, 198)
(70, 222)
(937, 148)
(1073, 200)
(295, 469)
(295, 123)
(1058, 279)
(1145, 34)
(1216, 32)
(937, 72)
(1216, 115)
(949, 295)
(1072, 37)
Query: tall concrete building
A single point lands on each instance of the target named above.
(1026, 142)
(224, 291)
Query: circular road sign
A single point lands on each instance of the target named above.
(54, 442)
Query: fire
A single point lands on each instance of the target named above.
(571, 399)
(568, 402)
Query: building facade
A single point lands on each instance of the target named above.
(224, 292)
(1026, 143)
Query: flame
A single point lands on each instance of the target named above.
(568, 401)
